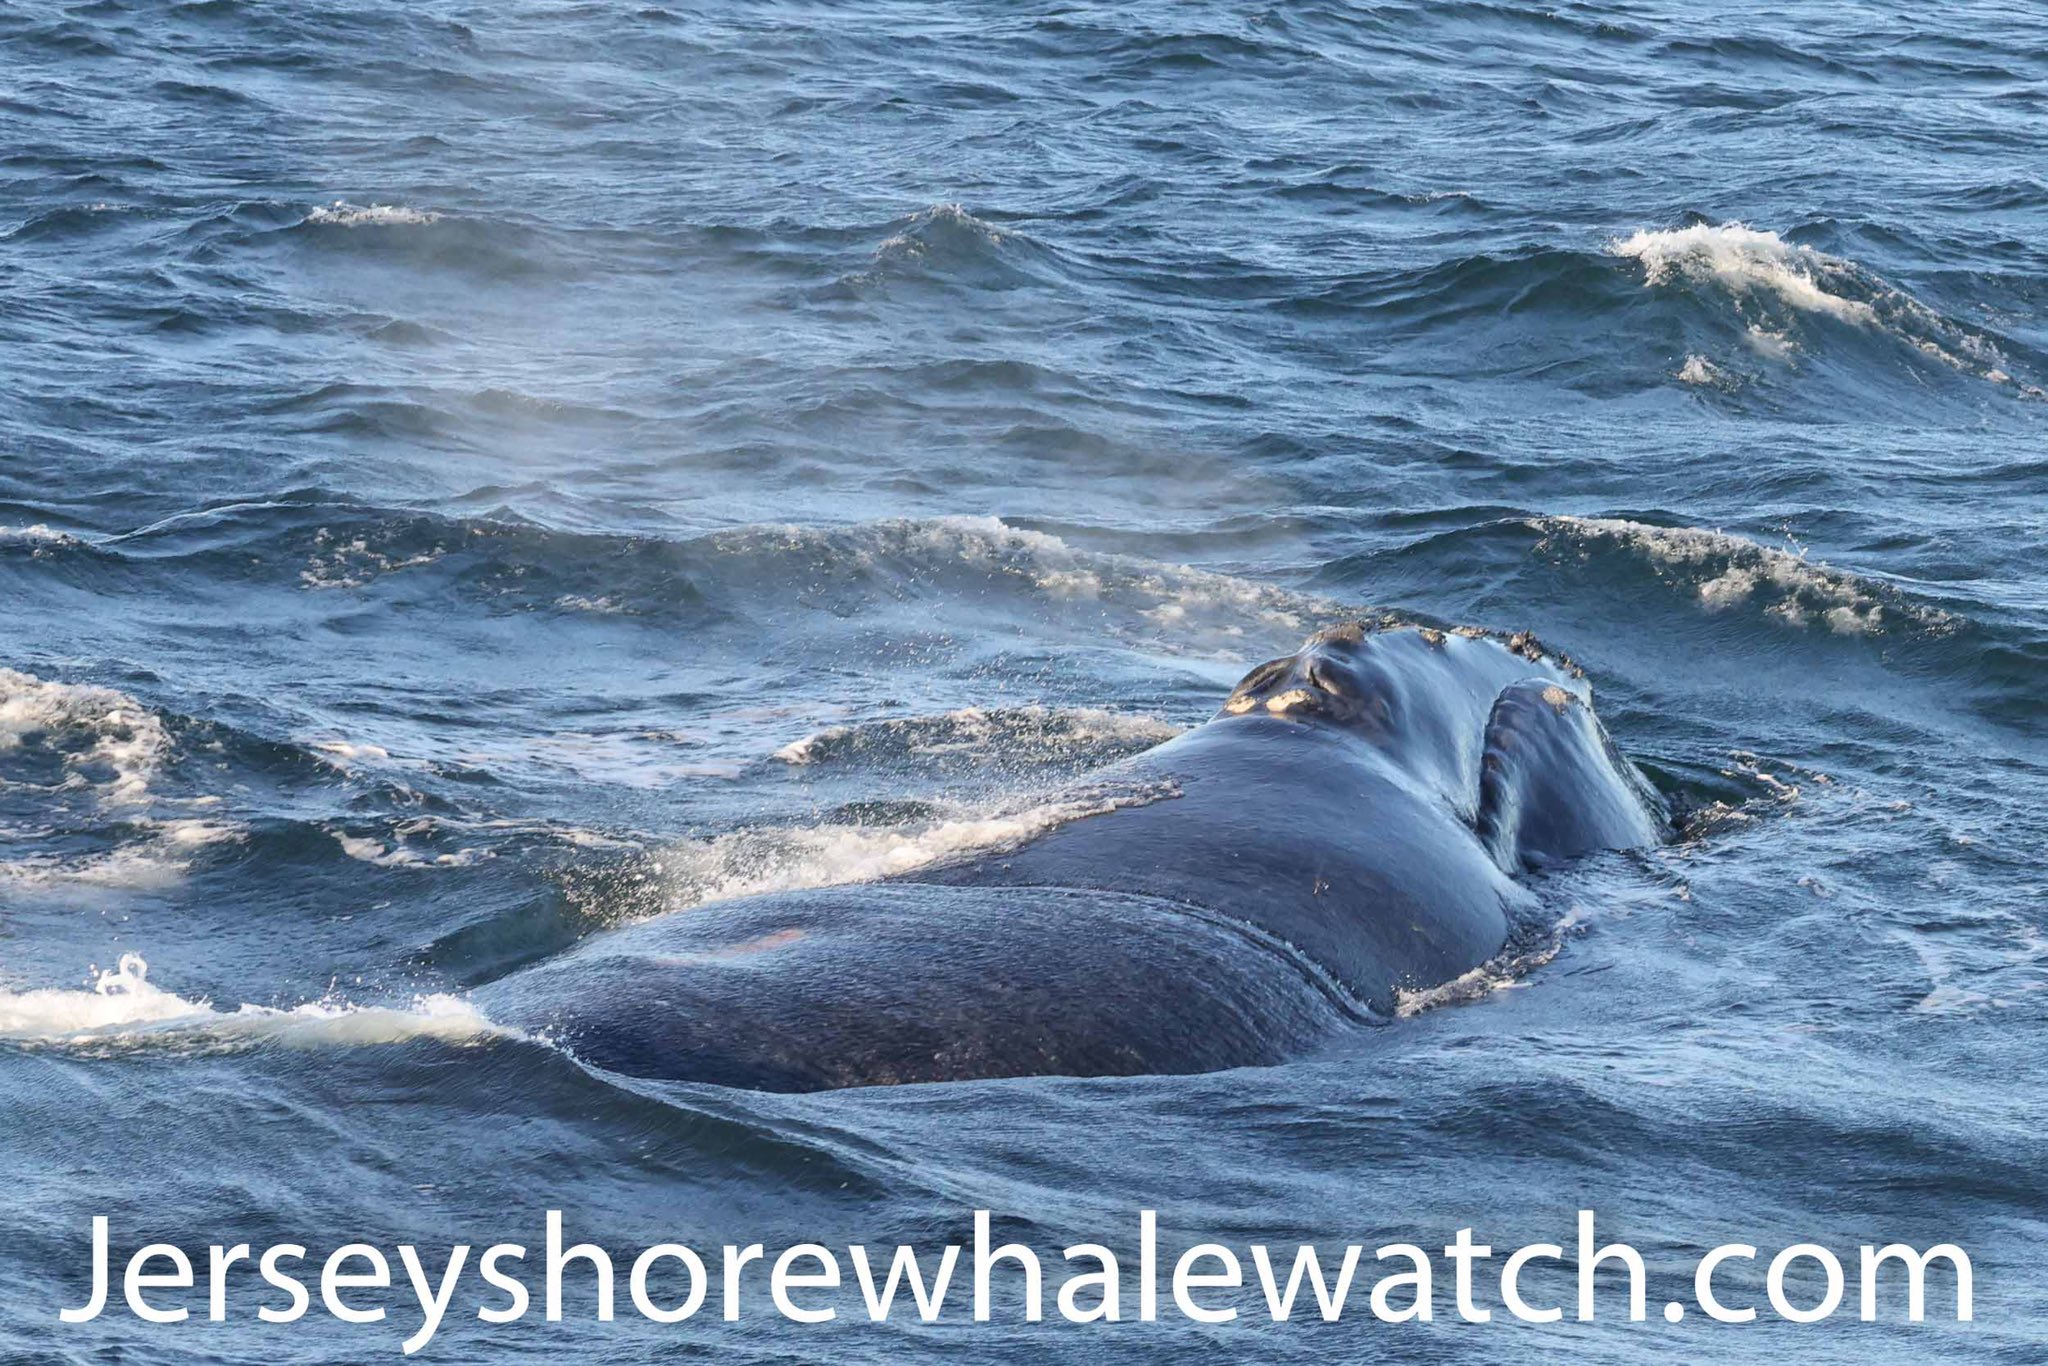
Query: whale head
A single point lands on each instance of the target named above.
(1423, 688)
(1337, 677)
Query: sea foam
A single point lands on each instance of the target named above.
(342, 214)
(1756, 267)
(124, 1007)
(1726, 570)
(107, 740)
(1745, 259)
(1175, 603)
(94, 752)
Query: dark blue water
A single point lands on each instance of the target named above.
(475, 474)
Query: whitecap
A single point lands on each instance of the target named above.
(349, 751)
(124, 1007)
(39, 535)
(125, 742)
(915, 241)
(1755, 266)
(1745, 259)
(343, 214)
(399, 854)
(1699, 370)
(1725, 571)
(1180, 608)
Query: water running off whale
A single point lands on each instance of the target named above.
(1346, 828)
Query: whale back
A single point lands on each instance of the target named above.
(1310, 835)
(892, 983)
(1344, 829)
(1365, 800)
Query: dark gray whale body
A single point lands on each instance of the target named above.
(1345, 827)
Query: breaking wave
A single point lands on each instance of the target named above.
(123, 1008)
(71, 735)
(1748, 260)
(37, 537)
(1188, 610)
(340, 549)
(1723, 570)
(83, 758)
(1773, 283)
(947, 244)
(342, 214)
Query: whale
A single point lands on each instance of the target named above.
(1358, 820)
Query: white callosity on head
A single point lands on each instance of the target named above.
(1281, 703)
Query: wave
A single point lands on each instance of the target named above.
(941, 232)
(1746, 260)
(1699, 370)
(449, 840)
(1737, 316)
(124, 1009)
(1202, 608)
(1652, 602)
(38, 537)
(1724, 571)
(1773, 283)
(158, 854)
(400, 853)
(393, 794)
(84, 758)
(485, 248)
(947, 244)
(504, 563)
(71, 735)
(100, 793)
(1717, 573)
(342, 214)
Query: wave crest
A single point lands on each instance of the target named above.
(75, 735)
(1773, 282)
(1725, 570)
(342, 214)
(1746, 260)
(947, 243)
(123, 1008)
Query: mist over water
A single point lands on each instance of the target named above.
(474, 475)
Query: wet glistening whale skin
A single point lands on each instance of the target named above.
(1348, 825)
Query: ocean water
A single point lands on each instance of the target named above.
(471, 475)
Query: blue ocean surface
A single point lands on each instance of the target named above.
(472, 475)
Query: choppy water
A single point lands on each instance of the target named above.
(473, 474)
